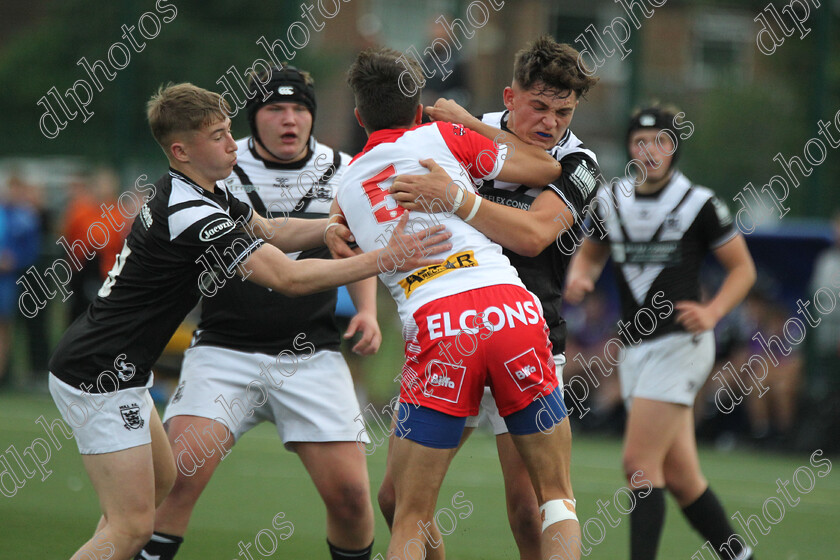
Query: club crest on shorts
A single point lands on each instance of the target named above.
(131, 416)
(525, 369)
(179, 392)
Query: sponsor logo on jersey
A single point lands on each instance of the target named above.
(216, 229)
(500, 199)
(672, 222)
(131, 416)
(281, 182)
(179, 392)
(525, 369)
(423, 275)
(666, 253)
(146, 216)
(286, 90)
(584, 178)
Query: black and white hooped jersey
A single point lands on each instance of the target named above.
(250, 318)
(182, 235)
(658, 243)
(545, 274)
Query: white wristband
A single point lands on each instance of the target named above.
(459, 200)
(326, 229)
(474, 209)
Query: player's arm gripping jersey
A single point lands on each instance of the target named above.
(371, 211)
(658, 243)
(544, 274)
(182, 236)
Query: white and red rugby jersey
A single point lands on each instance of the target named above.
(372, 213)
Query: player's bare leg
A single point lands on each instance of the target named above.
(547, 456)
(418, 472)
(173, 515)
(128, 509)
(522, 507)
(685, 481)
(339, 472)
(681, 467)
(385, 496)
(652, 428)
(387, 502)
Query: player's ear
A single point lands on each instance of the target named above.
(358, 117)
(418, 114)
(507, 96)
(178, 153)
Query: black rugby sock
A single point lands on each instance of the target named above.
(160, 546)
(345, 554)
(646, 521)
(707, 517)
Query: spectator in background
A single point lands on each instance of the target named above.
(105, 185)
(82, 211)
(19, 244)
(771, 414)
(591, 324)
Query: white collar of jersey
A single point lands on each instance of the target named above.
(174, 173)
(299, 164)
(676, 178)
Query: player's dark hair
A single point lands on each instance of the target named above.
(178, 108)
(375, 78)
(553, 64)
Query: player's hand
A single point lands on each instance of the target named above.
(695, 317)
(409, 251)
(337, 239)
(576, 288)
(368, 326)
(449, 111)
(436, 188)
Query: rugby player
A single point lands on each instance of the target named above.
(190, 236)
(659, 226)
(287, 347)
(475, 295)
(531, 224)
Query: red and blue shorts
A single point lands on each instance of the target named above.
(494, 336)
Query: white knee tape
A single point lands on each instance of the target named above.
(554, 511)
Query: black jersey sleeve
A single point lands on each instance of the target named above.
(715, 223)
(577, 183)
(239, 211)
(219, 239)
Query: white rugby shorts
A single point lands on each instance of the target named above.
(671, 368)
(105, 422)
(308, 397)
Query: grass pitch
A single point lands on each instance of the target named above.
(48, 519)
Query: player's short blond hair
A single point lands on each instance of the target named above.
(182, 108)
